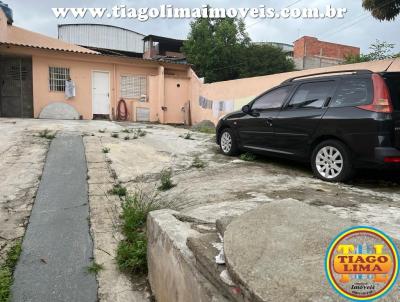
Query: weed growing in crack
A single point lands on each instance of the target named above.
(7, 269)
(46, 133)
(105, 150)
(248, 156)
(94, 268)
(166, 181)
(131, 252)
(187, 136)
(198, 163)
(141, 133)
(208, 130)
(118, 190)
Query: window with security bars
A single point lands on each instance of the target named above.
(57, 78)
(133, 87)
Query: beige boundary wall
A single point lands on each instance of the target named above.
(237, 93)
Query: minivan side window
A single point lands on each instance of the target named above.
(353, 92)
(272, 100)
(311, 95)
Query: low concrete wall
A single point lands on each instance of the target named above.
(172, 273)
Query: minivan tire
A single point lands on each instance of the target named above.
(227, 142)
(331, 161)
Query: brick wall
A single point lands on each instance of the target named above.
(312, 47)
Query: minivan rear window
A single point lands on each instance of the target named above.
(393, 82)
(353, 92)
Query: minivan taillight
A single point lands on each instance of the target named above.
(392, 160)
(381, 101)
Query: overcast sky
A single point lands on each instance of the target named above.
(358, 28)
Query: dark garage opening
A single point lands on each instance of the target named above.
(16, 89)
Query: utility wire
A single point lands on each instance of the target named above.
(336, 30)
(357, 19)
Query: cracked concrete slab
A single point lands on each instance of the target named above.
(277, 252)
(371, 198)
(104, 218)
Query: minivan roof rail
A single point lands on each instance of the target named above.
(355, 71)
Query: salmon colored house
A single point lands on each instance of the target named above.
(34, 69)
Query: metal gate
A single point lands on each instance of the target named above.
(16, 90)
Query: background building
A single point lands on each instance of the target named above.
(113, 40)
(309, 52)
(106, 39)
(163, 49)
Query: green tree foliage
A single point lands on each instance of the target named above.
(264, 59)
(383, 10)
(214, 47)
(220, 49)
(381, 50)
(351, 59)
(378, 51)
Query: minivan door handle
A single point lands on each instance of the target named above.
(268, 122)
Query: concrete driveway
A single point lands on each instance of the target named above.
(371, 198)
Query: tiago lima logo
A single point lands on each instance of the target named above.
(362, 264)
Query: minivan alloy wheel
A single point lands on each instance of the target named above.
(226, 142)
(329, 162)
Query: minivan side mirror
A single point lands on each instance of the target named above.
(246, 109)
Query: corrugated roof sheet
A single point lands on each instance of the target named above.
(22, 37)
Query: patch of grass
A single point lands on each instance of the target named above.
(6, 271)
(105, 150)
(198, 163)
(127, 130)
(140, 132)
(118, 190)
(208, 130)
(94, 268)
(131, 252)
(166, 181)
(248, 156)
(102, 130)
(114, 135)
(131, 255)
(46, 133)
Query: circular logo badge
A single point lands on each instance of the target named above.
(362, 264)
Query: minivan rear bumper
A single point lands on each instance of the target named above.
(387, 156)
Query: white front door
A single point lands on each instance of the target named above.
(101, 92)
